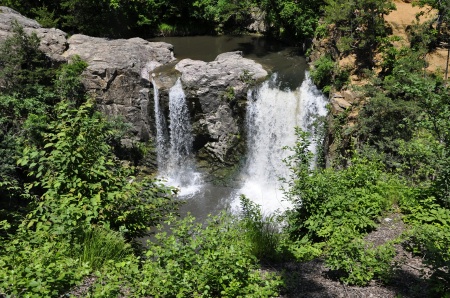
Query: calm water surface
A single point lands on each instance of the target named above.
(273, 55)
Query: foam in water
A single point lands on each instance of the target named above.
(175, 156)
(272, 115)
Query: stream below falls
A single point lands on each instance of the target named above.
(287, 99)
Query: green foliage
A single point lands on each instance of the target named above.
(33, 267)
(422, 36)
(441, 20)
(25, 78)
(263, 232)
(327, 74)
(22, 64)
(359, 24)
(213, 261)
(292, 19)
(337, 207)
(289, 20)
(430, 237)
(224, 13)
(68, 83)
(360, 260)
(326, 199)
(83, 184)
(98, 246)
(322, 73)
(45, 17)
(229, 94)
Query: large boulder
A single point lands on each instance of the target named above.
(217, 92)
(53, 41)
(117, 76)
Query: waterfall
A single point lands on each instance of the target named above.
(272, 115)
(175, 156)
(161, 130)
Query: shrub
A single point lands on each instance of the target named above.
(334, 209)
(430, 237)
(83, 184)
(262, 232)
(35, 265)
(322, 73)
(213, 261)
(361, 261)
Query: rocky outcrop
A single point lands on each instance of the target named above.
(53, 41)
(258, 21)
(217, 91)
(118, 76)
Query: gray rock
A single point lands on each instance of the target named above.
(8, 15)
(53, 41)
(118, 76)
(217, 91)
(258, 21)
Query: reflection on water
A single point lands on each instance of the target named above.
(273, 55)
(209, 199)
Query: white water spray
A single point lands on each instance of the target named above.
(272, 115)
(175, 158)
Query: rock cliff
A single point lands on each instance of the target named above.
(218, 91)
(118, 76)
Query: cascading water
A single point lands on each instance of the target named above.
(272, 115)
(175, 157)
(161, 130)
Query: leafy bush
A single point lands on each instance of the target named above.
(83, 184)
(322, 73)
(333, 209)
(262, 232)
(213, 261)
(36, 265)
(326, 198)
(22, 65)
(430, 237)
(327, 74)
(361, 261)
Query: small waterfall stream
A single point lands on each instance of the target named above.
(162, 134)
(175, 156)
(272, 115)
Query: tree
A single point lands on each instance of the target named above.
(360, 25)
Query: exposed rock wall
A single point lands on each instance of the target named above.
(118, 78)
(53, 41)
(217, 94)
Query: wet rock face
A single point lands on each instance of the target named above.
(217, 91)
(118, 76)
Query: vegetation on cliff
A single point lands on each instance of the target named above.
(399, 119)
